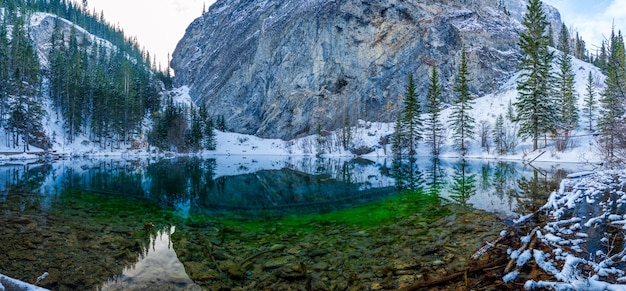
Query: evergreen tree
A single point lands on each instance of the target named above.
(565, 88)
(209, 142)
(397, 140)
(602, 57)
(499, 135)
(433, 128)
(220, 124)
(536, 110)
(4, 69)
(550, 36)
(461, 121)
(196, 133)
(564, 39)
(23, 62)
(411, 122)
(590, 102)
(579, 49)
(612, 100)
(510, 112)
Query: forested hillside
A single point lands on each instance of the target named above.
(90, 78)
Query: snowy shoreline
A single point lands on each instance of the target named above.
(579, 244)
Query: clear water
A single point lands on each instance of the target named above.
(255, 222)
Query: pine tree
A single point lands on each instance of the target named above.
(196, 134)
(612, 100)
(210, 140)
(535, 106)
(579, 50)
(602, 57)
(499, 135)
(397, 139)
(590, 102)
(565, 88)
(510, 112)
(433, 128)
(550, 36)
(411, 112)
(4, 69)
(461, 122)
(564, 39)
(220, 124)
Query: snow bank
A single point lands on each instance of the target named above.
(576, 238)
(8, 283)
(366, 135)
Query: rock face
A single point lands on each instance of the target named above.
(283, 69)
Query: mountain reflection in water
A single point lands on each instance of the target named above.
(159, 265)
(192, 223)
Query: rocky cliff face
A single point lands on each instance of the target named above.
(283, 69)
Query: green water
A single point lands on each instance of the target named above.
(192, 224)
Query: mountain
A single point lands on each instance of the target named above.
(64, 82)
(284, 69)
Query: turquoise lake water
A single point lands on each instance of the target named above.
(256, 223)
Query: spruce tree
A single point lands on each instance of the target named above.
(590, 102)
(4, 69)
(612, 100)
(499, 135)
(565, 88)
(461, 122)
(536, 110)
(411, 121)
(433, 128)
(397, 139)
(602, 57)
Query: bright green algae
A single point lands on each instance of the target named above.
(378, 240)
(367, 215)
(98, 235)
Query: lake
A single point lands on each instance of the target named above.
(257, 223)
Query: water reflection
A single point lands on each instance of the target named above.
(157, 265)
(93, 221)
(463, 184)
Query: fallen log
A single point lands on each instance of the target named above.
(444, 280)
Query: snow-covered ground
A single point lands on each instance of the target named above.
(582, 244)
(365, 134)
(8, 283)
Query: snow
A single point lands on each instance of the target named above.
(8, 283)
(523, 258)
(590, 199)
(366, 134)
(510, 276)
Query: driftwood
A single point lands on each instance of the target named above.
(527, 245)
(490, 266)
(246, 262)
(486, 247)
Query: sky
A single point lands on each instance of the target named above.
(157, 24)
(593, 19)
(160, 24)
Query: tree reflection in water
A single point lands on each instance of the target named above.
(463, 184)
(94, 214)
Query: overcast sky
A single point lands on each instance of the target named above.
(592, 19)
(157, 24)
(160, 24)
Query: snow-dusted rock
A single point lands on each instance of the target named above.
(280, 68)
